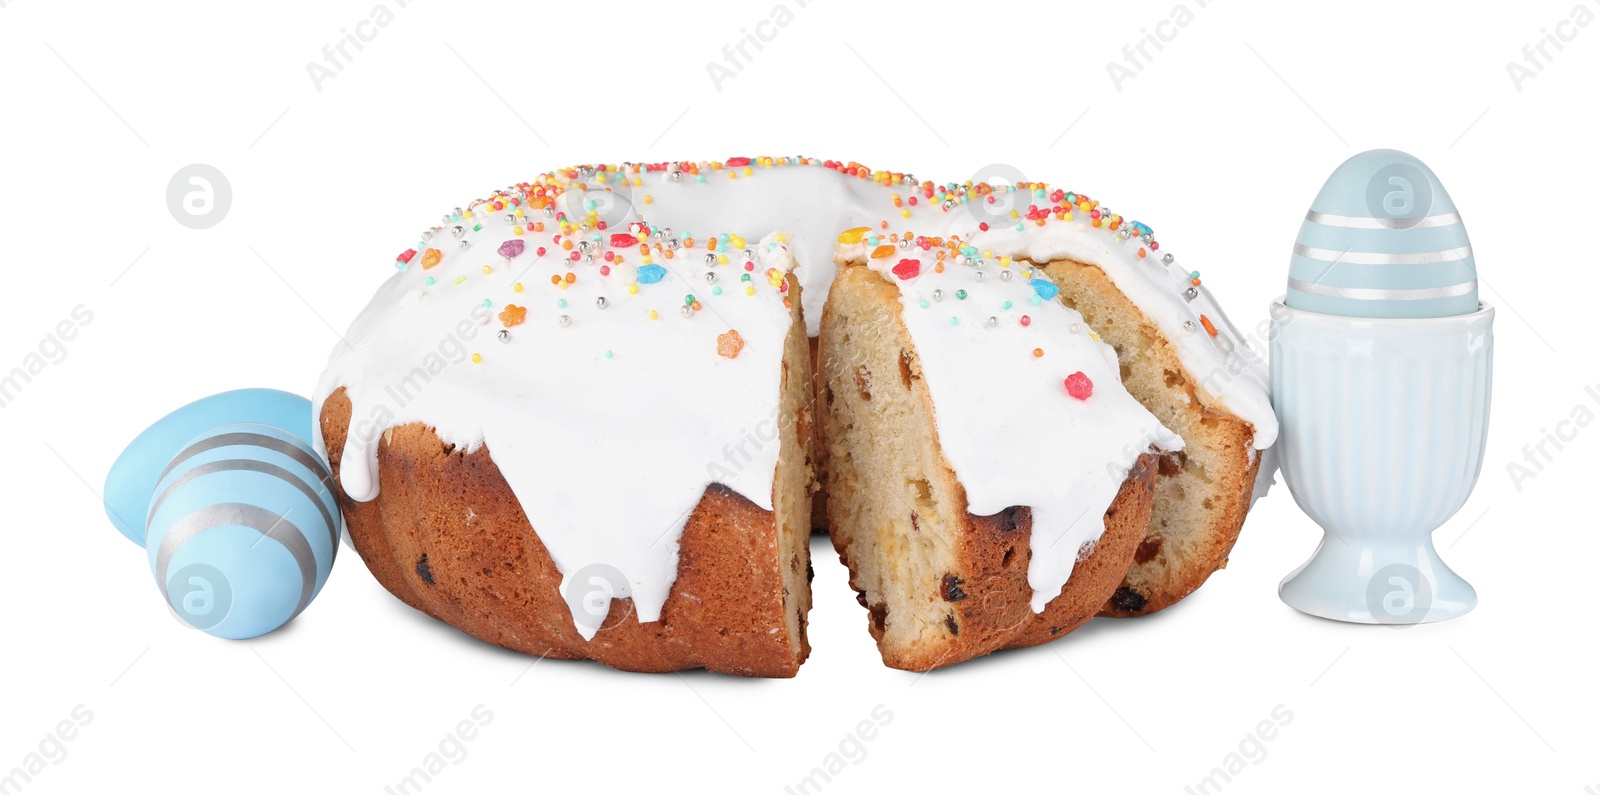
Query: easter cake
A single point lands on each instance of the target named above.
(579, 420)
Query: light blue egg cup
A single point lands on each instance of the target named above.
(1383, 423)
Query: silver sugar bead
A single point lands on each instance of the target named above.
(505, 336)
(686, 310)
(564, 321)
(672, 244)
(458, 231)
(748, 255)
(711, 259)
(1005, 276)
(510, 218)
(427, 234)
(1166, 259)
(977, 276)
(938, 295)
(601, 302)
(466, 244)
(1190, 294)
(993, 321)
(675, 176)
(711, 277)
(1189, 325)
(588, 259)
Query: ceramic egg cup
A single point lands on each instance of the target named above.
(1384, 422)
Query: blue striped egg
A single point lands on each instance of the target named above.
(242, 529)
(1383, 240)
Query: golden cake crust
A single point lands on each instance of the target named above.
(448, 537)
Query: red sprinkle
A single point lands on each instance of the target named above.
(1079, 386)
(405, 256)
(738, 162)
(1026, 321)
(624, 240)
(908, 269)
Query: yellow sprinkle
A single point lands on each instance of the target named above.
(477, 358)
(517, 212)
(633, 289)
(648, 199)
(750, 289)
(460, 279)
(516, 288)
(852, 236)
(487, 269)
(647, 260)
(636, 183)
(653, 314)
(906, 213)
(1005, 262)
(747, 171)
(516, 230)
(722, 259)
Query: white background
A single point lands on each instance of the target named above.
(1219, 143)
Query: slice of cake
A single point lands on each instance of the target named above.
(989, 477)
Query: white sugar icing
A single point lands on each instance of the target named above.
(1064, 457)
(814, 204)
(608, 456)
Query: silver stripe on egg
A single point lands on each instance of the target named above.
(1369, 294)
(240, 464)
(275, 444)
(1361, 222)
(1376, 258)
(239, 514)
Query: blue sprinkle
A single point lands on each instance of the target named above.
(650, 274)
(1045, 288)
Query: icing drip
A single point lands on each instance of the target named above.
(1052, 428)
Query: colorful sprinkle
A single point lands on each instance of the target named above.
(1079, 386)
(908, 269)
(513, 315)
(650, 274)
(511, 248)
(1044, 288)
(729, 343)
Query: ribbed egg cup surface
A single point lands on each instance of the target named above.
(1384, 422)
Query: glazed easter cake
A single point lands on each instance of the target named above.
(1024, 414)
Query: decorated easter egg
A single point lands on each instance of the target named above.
(133, 476)
(241, 529)
(1383, 240)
